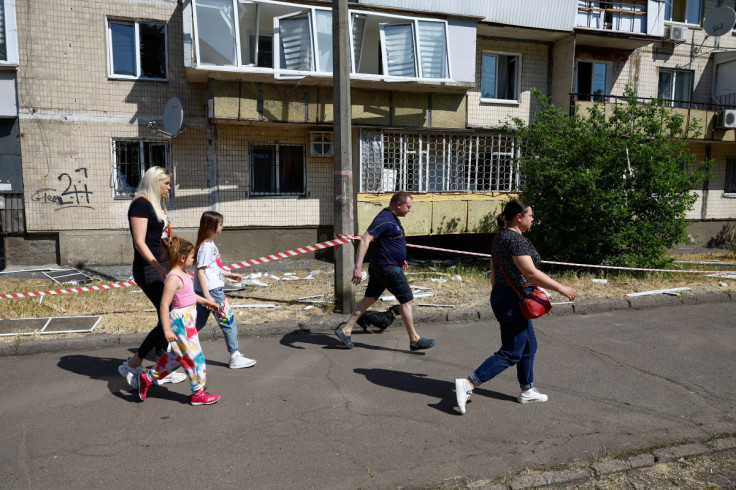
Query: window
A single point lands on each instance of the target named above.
(675, 87)
(499, 76)
(729, 187)
(277, 170)
(8, 36)
(687, 11)
(320, 144)
(137, 50)
(437, 162)
(591, 81)
(131, 159)
(414, 49)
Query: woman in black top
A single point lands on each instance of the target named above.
(148, 224)
(519, 259)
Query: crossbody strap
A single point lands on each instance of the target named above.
(495, 256)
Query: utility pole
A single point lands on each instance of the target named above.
(343, 178)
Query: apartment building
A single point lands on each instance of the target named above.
(431, 84)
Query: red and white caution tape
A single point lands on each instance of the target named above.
(248, 263)
(550, 261)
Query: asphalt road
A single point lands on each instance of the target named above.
(312, 414)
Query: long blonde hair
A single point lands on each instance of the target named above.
(149, 187)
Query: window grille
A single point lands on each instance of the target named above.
(437, 162)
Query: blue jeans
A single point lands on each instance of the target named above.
(230, 331)
(518, 342)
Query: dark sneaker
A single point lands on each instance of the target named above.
(422, 343)
(346, 339)
(144, 382)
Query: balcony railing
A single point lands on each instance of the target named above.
(624, 16)
(704, 112)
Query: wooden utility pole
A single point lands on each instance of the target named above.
(343, 179)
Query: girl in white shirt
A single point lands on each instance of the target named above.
(209, 281)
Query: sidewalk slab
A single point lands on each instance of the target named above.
(667, 454)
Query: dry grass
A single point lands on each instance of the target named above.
(464, 285)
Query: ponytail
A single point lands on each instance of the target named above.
(512, 208)
(174, 248)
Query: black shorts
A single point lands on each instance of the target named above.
(391, 277)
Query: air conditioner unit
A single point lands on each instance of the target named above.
(675, 34)
(726, 119)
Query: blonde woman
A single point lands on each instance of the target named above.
(148, 224)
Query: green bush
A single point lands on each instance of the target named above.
(610, 187)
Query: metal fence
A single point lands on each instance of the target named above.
(437, 162)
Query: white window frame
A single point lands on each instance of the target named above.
(280, 72)
(137, 50)
(730, 161)
(9, 34)
(593, 97)
(321, 143)
(114, 181)
(675, 72)
(683, 22)
(517, 84)
(416, 49)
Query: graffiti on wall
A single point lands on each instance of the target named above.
(74, 193)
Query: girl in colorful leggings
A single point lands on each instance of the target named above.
(179, 325)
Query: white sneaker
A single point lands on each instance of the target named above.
(462, 394)
(238, 361)
(173, 377)
(130, 374)
(532, 395)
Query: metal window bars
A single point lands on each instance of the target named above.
(391, 161)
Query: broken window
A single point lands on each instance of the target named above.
(137, 50)
(499, 76)
(277, 170)
(131, 159)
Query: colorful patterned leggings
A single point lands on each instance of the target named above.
(185, 352)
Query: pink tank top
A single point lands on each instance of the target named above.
(184, 297)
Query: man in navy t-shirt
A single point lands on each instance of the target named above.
(386, 270)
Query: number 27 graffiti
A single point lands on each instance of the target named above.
(72, 196)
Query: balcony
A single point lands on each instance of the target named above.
(625, 24)
(706, 114)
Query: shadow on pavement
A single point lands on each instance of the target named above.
(419, 383)
(330, 341)
(106, 369)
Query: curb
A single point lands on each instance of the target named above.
(618, 465)
(327, 323)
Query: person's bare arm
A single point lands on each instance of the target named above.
(365, 241)
(525, 264)
(138, 227)
(170, 287)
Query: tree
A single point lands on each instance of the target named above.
(610, 187)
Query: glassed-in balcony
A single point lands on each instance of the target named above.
(619, 24)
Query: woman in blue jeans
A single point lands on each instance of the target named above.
(520, 261)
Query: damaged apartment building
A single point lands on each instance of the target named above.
(86, 88)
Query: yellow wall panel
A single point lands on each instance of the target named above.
(284, 103)
(411, 110)
(449, 217)
(226, 97)
(370, 107)
(419, 220)
(449, 111)
(249, 101)
(482, 215)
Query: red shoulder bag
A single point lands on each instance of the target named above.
(533, 304)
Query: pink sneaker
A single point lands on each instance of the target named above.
(203, 398)
(144, 382)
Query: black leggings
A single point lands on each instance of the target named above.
(149, 280)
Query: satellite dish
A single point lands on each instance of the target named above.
(719, 21)
(173, 116)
